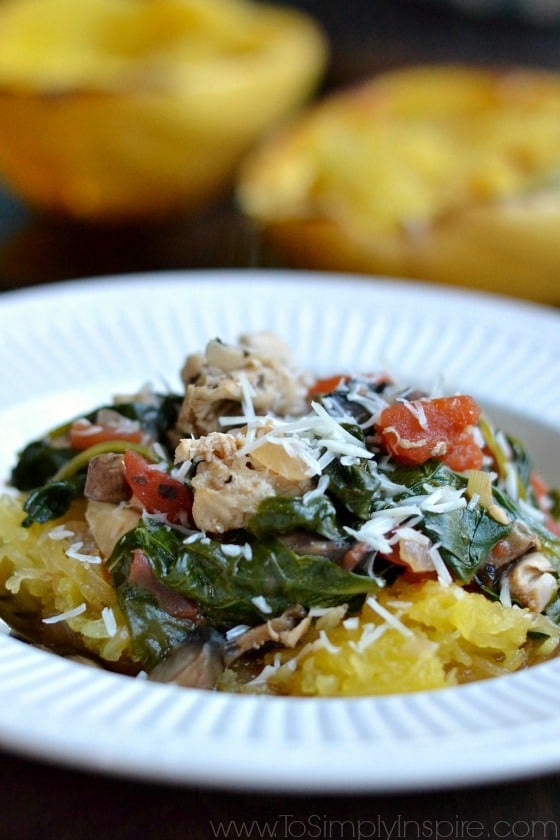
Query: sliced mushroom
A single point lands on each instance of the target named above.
(105, 481)
(355, 555)
(532, 582)
(197, 663)
(517, 543)
(279, 630)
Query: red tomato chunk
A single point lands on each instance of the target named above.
(157, 491)
(84, 434)
(415, 432)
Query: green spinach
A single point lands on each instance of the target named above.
(229, 590)
(283, 515)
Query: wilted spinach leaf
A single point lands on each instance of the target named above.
(37, 463)
(156, 418)
(228, 589)
(522, 463)
(432, 473)
(52, 500)
(465, 537)
(41, 459)
(153, 631)
(352, 487)
(282, 515)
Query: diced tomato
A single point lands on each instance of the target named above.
(84, 434)
(414, 432)
(326, 385)
(157, 491)
(464, 453)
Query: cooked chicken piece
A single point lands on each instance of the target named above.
(105, 481)
(286, 630)
(217, 382)
(220, 445)
(532, 582)
(228, 486)
(226, 495)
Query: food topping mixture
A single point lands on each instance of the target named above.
(265, 531)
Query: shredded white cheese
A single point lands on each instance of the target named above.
(417, 410)
(381, 530)
(324, 642)
(443, 574)
(60, 532)
(109, 620)
(316, 438)
(262, 604)
(370, 634)
(235, 632)
(317, 491)
(54, 619)
(351, 623)
(372, 402)
(231, 549)
(389, 617)
(196, 536)
(73, 551)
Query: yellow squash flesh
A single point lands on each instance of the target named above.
(445, 173)
(119, 109)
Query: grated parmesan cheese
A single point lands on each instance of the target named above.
(370, 634)
(60, 532)
(109, 620)
(324, 642)
(388, 616)
(318, 491)
(417, 410)
(231, 549)
(351, 623)
(443, 574)
(55, 619)
(262, 604)
(316, 438)
(73, 551)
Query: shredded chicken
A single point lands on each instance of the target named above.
(285, 630)
(215, 382)
(228, 485)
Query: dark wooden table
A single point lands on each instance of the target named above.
(42, 801)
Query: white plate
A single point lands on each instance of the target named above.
(65, 347)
